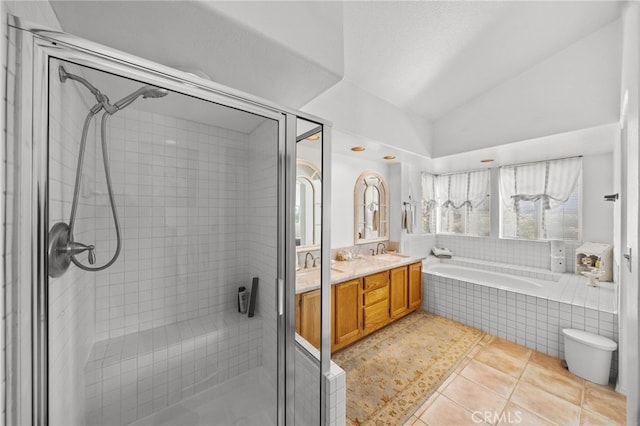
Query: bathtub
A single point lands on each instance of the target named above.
(525, 310)
(530, 286)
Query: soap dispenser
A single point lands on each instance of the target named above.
(243, 300)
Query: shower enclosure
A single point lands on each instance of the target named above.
(155, 196)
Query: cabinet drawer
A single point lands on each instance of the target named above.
(373, 296)
(376, 280)
(376, 315)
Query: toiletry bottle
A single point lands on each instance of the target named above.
(243, 300)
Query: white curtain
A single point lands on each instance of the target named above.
(463, 189)
(550, 181)
(429, 190)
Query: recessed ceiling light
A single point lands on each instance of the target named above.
(314, 137)
(389, 157)
(487, 160)
(357, 148)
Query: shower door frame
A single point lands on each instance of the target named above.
(36, 45)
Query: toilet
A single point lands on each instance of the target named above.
(588, 355)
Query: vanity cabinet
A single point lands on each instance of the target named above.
(308, 316)
(399, 292)
(361, 306)
(415, 285)
(347, 313)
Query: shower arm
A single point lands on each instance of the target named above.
(103, 100)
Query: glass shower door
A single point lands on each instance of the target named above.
(185, 220)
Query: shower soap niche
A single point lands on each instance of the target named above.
(595, 258)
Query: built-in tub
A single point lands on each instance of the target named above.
(498, 280)
(525, 310)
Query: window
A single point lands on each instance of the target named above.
(464, 203)
(429, 204)
(541, 201)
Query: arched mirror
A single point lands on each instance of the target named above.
(371, 207)
(308, 201)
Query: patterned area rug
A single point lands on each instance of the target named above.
(391, 372)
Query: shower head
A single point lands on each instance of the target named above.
(145, 92)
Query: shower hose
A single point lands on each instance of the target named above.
(76, 191)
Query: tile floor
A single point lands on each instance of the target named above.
(502, 383)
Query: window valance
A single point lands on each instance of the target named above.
(457, 190)
(551, 181)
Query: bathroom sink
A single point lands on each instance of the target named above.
(315, 271)
(391, 257)
(306, 272)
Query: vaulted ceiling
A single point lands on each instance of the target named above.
(476, 73)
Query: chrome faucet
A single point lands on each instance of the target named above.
(378, 248)
(306, 260)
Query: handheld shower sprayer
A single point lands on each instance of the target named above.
(62, 247)
(145, 92)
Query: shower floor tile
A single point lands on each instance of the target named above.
(247, 399)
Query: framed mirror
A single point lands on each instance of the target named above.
(308, 204)
(371, 207)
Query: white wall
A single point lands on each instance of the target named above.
(359, 113)
(574, 89)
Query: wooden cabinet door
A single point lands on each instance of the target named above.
(309, 317)
(398, 300)
(375, 316)
(348, 312)
(415, 285)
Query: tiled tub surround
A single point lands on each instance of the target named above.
(533, 254)
(533, 318)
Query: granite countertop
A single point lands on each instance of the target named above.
(309, 279)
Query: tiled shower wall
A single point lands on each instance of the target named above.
(181, 191)
(188, 244)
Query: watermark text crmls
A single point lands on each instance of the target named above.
(493, 417)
